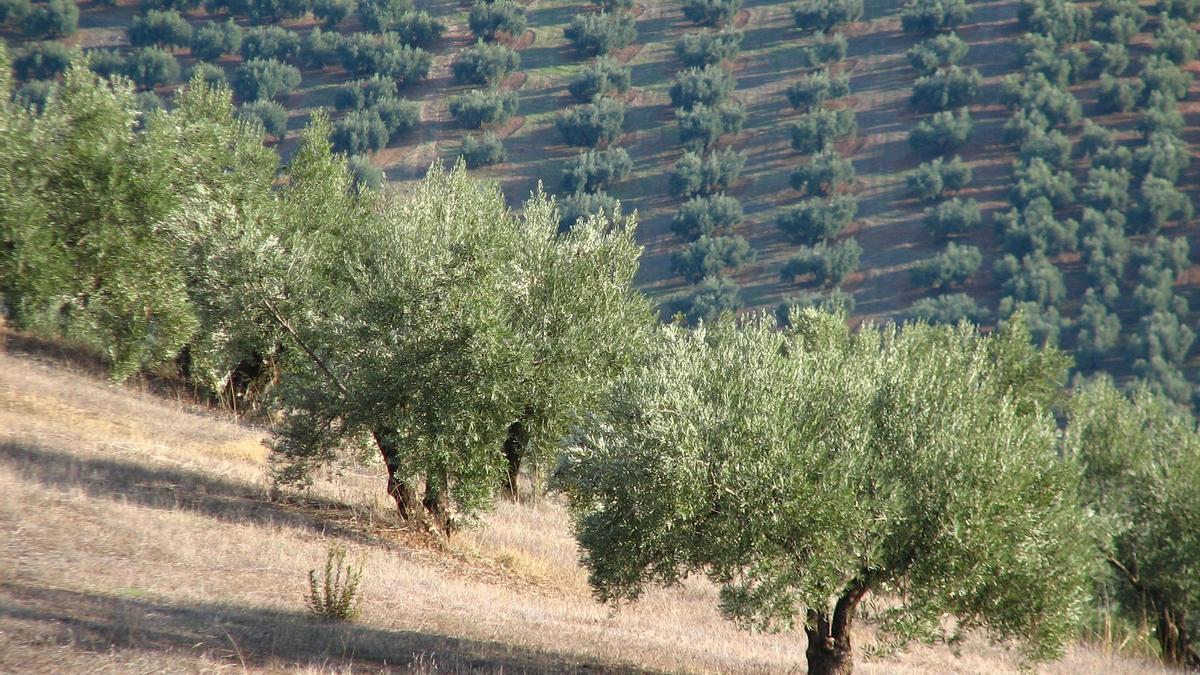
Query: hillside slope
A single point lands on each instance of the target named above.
(140, 536)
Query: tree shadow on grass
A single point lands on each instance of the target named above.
(252, 637)
(171, 488)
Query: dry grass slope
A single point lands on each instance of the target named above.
(139, 535)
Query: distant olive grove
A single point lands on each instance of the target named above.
(805, 468)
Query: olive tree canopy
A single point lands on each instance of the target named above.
(806, 469)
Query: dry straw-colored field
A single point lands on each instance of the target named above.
(138, 534)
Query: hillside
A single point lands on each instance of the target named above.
(178, 559)
(1123, 330)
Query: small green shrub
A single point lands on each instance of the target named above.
(335, 598)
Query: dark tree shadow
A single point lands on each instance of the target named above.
(97, 623)
(171, 488)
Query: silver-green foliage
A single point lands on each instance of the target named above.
(1140, 459)
(802, 469)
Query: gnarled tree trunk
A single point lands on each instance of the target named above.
(514, 452)
(437, 501)
(830, 651)
(399, 489)
(1173, 637)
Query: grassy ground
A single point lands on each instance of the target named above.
(140, 534)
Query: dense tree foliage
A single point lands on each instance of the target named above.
(43, 61)
(485, 64)
(701, 127)
(265, 78)
(158, 28)
(824, 264)
(822, 174)
(707, 47)
(711, 12)
(710, 256)
(942, 133)
(815, 88)
(707, 216)
(823, 15)
(937, 52)
(269, 114)
(946, 88)
(479, 107)
(759, 440)
(150, 67)
(602, 77)
(1140, 456)
(707, 86)
(595, 170)
(482, 150)
(932, 180)
(213, 40)
(816, 131)
(270, 42)
(711, 299)
(695, 174)
(489, 19)
(600, 33)
(593, 124)
(953, 216)
(949, 309)
(815, 220)
(926, 17)
(952, 267)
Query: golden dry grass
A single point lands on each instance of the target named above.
(139, 535)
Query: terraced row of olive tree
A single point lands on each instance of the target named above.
(596, 123)
(707, 113)
(497, 26)
(826, 208)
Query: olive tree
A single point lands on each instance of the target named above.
(823, 15)
(696, 175)
(951, 308)
(488, 19)
(706, 47)
(710, 256)
(926, 17)
(937, 52)
(1140, 459)
(478, 107)
(946, 88)
(825, 264)
(708, 86)
(485, 64)
(952, 267)
(711, 12)
(815, 220)
(706, 216)
(822, 174)
(483, 150)
(602, 77)
(932, 180)
(595, 170)
(212, 40)
(817, 130)
(805, 470)
(158, 28)
(814, 89)
(593, 34)
(454, 338)
(942, 133)
(592, 124)
(701, 127)
(265, 78)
